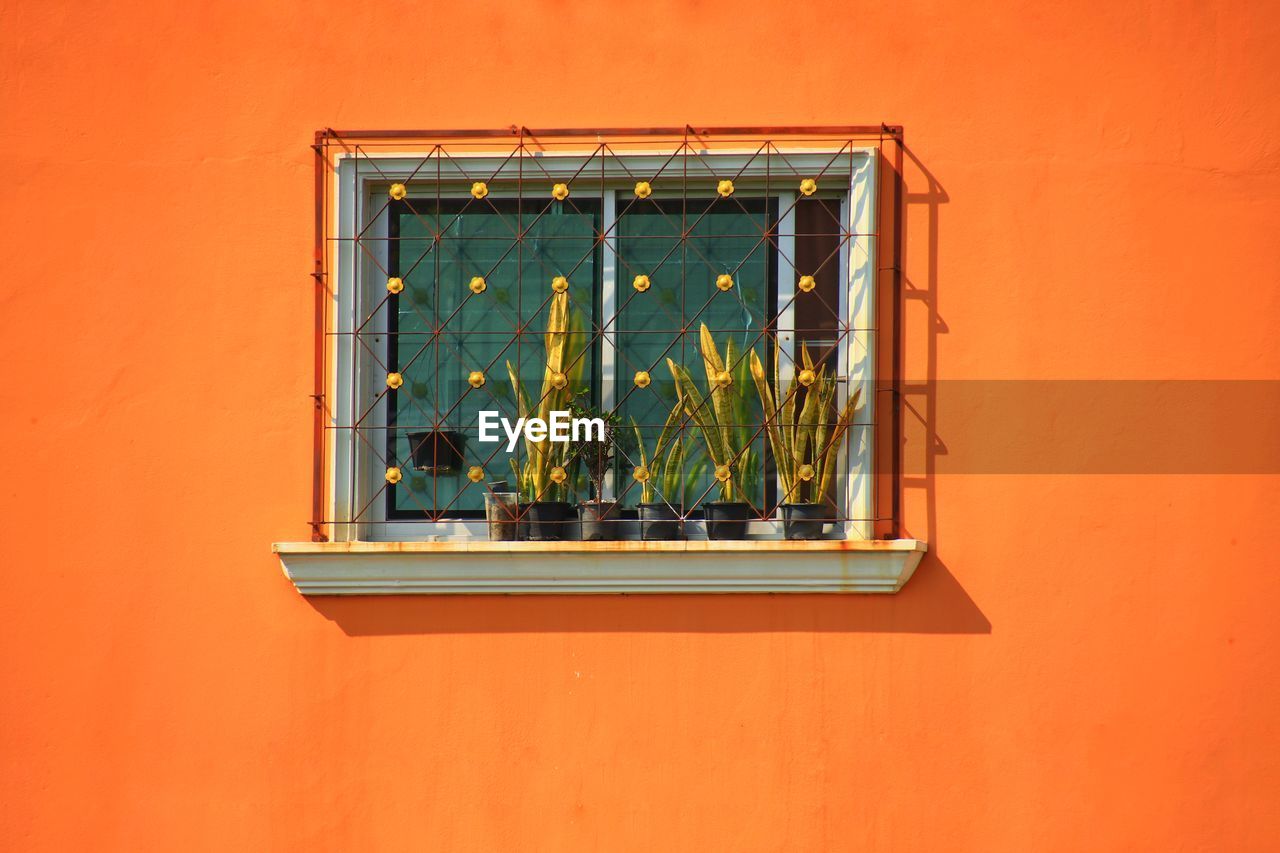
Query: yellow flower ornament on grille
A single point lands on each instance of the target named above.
(805, 472)
(475, 473)
(394, 380)
(807, 283)
(641, 474)
(560, 192)
(479, 190)
(722, 473)
(558, 475)
(395, 285)
(806, 377)
(394, 476)
(643, 190)
(642, 379)
(559, 380)
(397, 191)
(478, 285)
(725, 188)
(476, 379)
(724, 281)
(724, 379)
(808, 186)
(559, 284)
(640, 283)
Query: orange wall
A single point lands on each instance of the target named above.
(1081, 663)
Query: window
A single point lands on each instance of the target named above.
(446, 262)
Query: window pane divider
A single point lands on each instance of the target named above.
(609, 301)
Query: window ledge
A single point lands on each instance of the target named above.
(437, 568)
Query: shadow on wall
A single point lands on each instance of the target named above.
(924, 196)
(932, 602)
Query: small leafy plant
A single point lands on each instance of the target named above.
(595, 454)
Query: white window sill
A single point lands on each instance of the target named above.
(438, 568)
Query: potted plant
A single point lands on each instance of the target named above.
(542, 480)
(599, 517)
(663, 479)
(722, 415)
(805, 441)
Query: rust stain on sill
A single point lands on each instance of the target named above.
(614, 547)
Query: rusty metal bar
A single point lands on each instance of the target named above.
(894, 131)
(318, 387)
(899, 184)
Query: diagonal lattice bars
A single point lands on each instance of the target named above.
(456, 245)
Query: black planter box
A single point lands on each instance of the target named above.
(548, 520)
(437, 451)
(726, 520)
(601, 522)
(661, 521)
(805, 521)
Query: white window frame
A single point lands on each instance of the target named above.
(360, 188)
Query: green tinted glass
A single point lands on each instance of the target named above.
(443, 331)
(725, 237)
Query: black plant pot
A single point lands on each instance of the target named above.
(661, 521)
(547, 520)
(599, 520)
(522, 521)
(805, 521)
(437, 451)
(726, 520)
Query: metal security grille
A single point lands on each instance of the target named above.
(716, 294)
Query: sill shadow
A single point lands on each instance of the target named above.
(932, 602)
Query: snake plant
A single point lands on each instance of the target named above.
(665, 473)
(805, 442)
(722, 414)
(542, 476)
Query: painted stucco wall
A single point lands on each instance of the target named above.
(1083, 661)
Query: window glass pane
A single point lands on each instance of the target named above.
(724, 237)
(442, 331)
(818, 244)
(819, 241)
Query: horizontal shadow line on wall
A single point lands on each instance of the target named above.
(932, 602)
